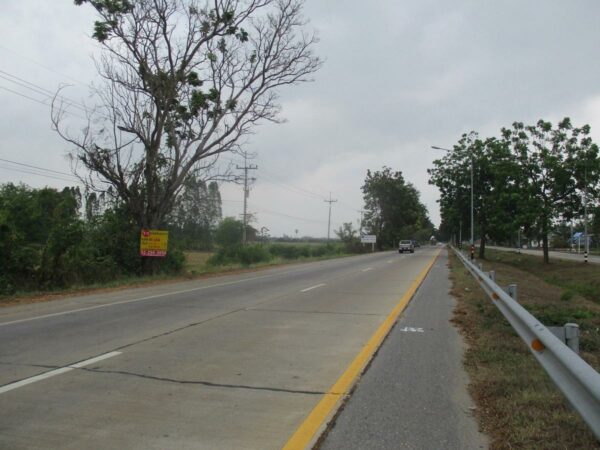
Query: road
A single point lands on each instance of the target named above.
(238, 361)
(558, 255)
(414, 394)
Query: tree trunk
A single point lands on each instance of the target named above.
(545, 242)
(482, 247)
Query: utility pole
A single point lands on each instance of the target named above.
(360, 225)
(585, 220)
(330, 201)
(246, 168)
(472, 221)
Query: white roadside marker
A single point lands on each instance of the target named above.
(312, 287)
(43, 376)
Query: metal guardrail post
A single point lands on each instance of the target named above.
(575, 378)
(511, 290)
(572, 336)
(492, 275)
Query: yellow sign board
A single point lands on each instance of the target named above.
(154, 243)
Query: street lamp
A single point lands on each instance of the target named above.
(472, 228)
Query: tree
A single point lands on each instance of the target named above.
(229, 233)
(184, 81)
(393, 210)
(495, 190)
(346, 233)
(197, 213)
(555, 165)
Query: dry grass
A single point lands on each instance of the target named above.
(195, 262)
(518, 406)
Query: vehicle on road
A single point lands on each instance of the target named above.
(406, 246)
(416, 243)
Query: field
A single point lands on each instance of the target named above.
(195, 262)
(518, 406)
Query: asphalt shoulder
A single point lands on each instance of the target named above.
(414, 394)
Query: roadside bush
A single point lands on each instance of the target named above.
(46, 244)
(253, 254)
(246, 255)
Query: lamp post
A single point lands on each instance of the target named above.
(472, 216)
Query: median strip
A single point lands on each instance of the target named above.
(52, 373)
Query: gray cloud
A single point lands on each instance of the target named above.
(398, 77)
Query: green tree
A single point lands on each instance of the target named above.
(229, 233)
(555, 165)
(196, 214)
(393, 210)
(347, 233)
(495, 192)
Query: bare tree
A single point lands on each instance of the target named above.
(183, 81)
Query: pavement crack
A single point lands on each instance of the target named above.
(202, 383)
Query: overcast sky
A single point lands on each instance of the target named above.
(398, 77)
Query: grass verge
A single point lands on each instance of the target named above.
(195, 268)
(518, 406)
(574, 276)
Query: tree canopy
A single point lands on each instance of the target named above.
(184, 81)
(393, 210)
(529, 178)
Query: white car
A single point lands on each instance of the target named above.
(406, 246)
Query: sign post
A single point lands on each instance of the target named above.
(154, 243)
(369, 239)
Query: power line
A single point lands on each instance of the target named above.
(38, 101)
(40, 174)
(39, 89)
(38, 168)
(303, 219)
(40, 64)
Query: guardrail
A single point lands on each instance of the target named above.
(575, 378)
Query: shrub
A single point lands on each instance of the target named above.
(246, 255)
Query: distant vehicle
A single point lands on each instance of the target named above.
(406, 246)
(416, 243)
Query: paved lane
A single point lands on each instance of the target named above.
(232, 362)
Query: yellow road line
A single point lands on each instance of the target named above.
(307, 430)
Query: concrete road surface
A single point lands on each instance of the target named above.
(558, 255)
(413, 396)
(235, 362)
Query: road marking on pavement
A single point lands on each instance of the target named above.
(52, 373)
(312, 287)
(314, 422)
(367, 269)
(412, 330)
(390, 261)
(150, 297)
